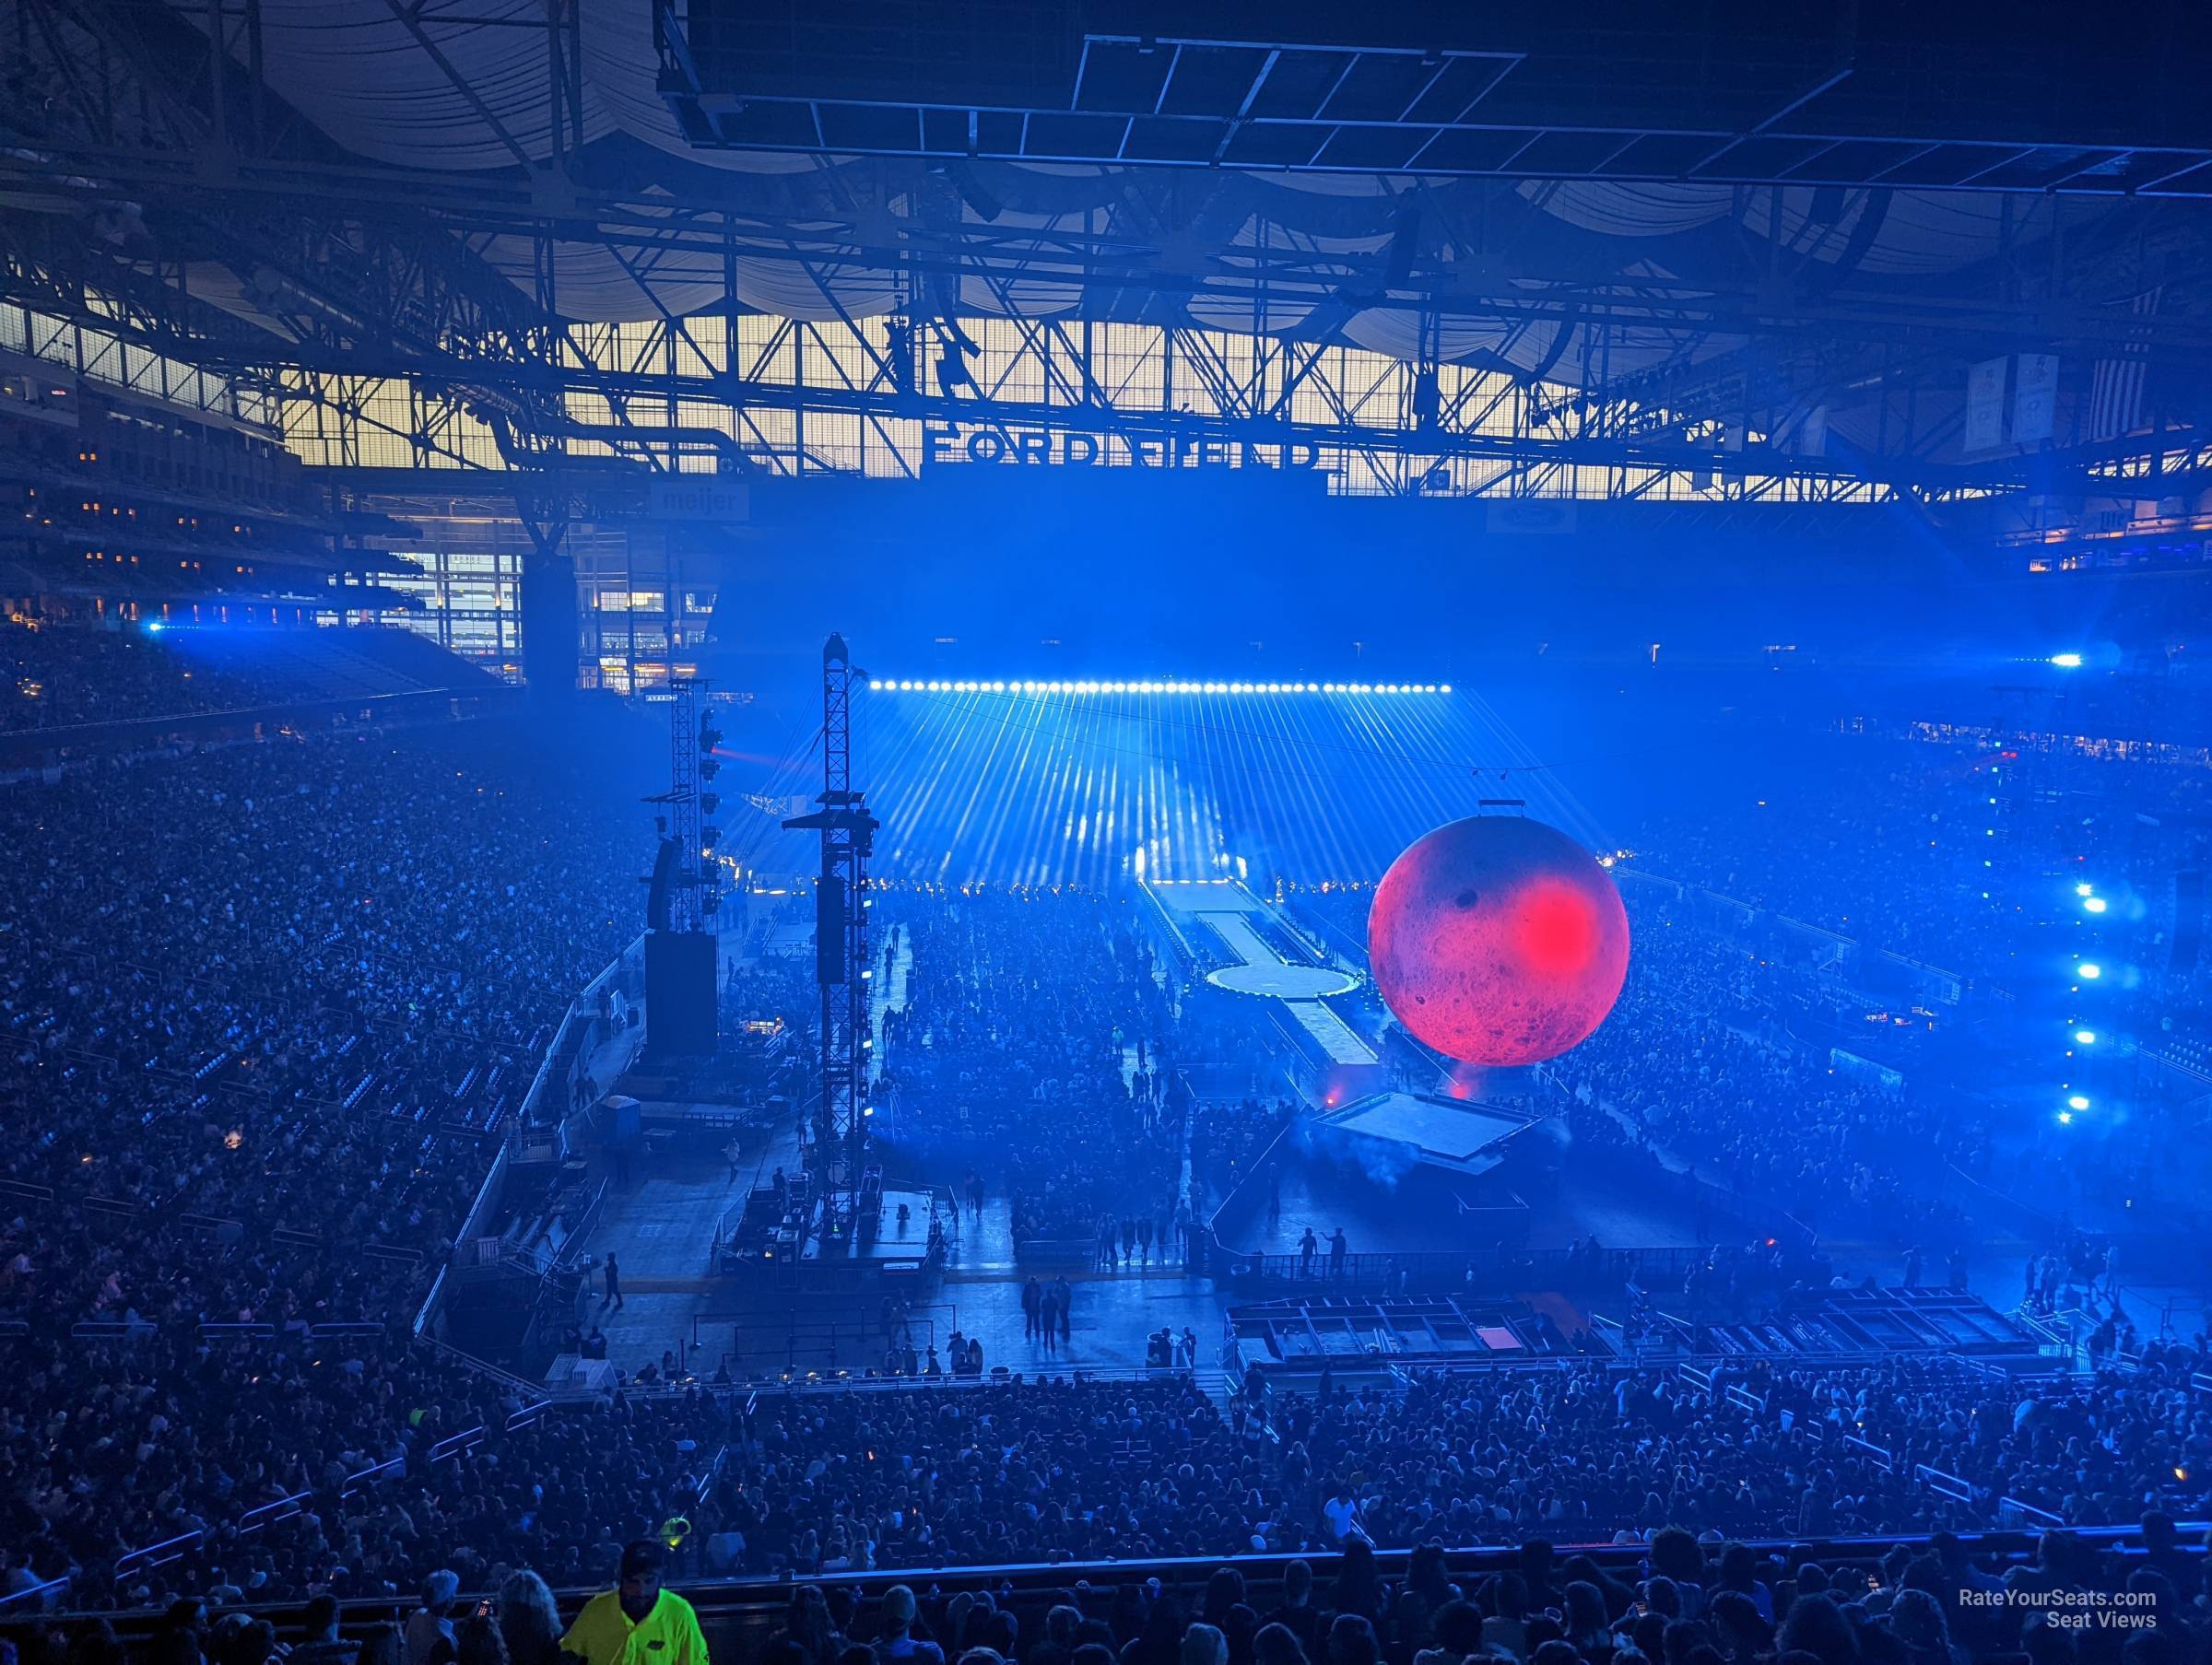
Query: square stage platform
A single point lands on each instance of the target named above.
(1462, 1137)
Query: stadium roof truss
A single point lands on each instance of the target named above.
(1333, 107)
(564, 306)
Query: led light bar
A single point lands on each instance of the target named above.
(1030, 689)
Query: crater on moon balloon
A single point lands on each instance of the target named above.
(1498, 940)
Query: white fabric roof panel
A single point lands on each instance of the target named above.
(356, 69)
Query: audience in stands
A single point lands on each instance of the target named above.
(56, 676)
(1949, 850)
(266, 1007)
(1696, 1072)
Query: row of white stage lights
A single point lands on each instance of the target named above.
(902, 685)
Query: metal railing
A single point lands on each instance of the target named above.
(489, 1372)
(29, 1591)
(1881, 1454)
(1944, 1484)
(2013, 1511)
(1498, 1271)
(734, 1607)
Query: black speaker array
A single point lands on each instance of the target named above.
(679, 993)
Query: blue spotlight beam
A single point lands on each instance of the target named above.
(1014, 780)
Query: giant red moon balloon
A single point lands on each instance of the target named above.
(1498, 941)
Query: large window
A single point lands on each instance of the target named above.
(471, 602)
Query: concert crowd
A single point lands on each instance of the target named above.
(264, 1007)
(816, 1485)
(1029, 1059)
(1695, 1071)
(1950, 849)
(60, 676)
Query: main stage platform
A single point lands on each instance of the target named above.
(1409, 1177)
(1458, 1137)
(1219, 931)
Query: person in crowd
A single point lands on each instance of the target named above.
(1915, 1618)
(1358, 1592)
(319, 1642)
(1204, 1645)
(1341, 1513)
(639, 1620)
(896, 1643)
(480, 1641)
(806, 1622)
(1426, 1593)
(1815, 1624)
(529, 1619)
(1296, 1611)
(1351, 1641)
(430, 1625)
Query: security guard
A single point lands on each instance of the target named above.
(638, 1623)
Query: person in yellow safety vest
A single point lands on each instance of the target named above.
(638, 1623)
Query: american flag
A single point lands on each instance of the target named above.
(2116, 390)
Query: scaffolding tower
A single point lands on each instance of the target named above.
(694, 894)
(837, 1159)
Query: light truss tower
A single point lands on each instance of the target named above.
(683, 805)
(694, 896)
(841, 951)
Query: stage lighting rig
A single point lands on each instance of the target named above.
(837, 1154)
(686, 886)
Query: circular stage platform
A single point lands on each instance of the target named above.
(1283, 982)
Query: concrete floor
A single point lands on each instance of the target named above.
(661, 1230)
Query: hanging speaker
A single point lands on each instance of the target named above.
(680, 993)
(2188, 917)
(829, 932)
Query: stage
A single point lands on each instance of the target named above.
(1220, 932)
(801, 1244)
(1465, 1137)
